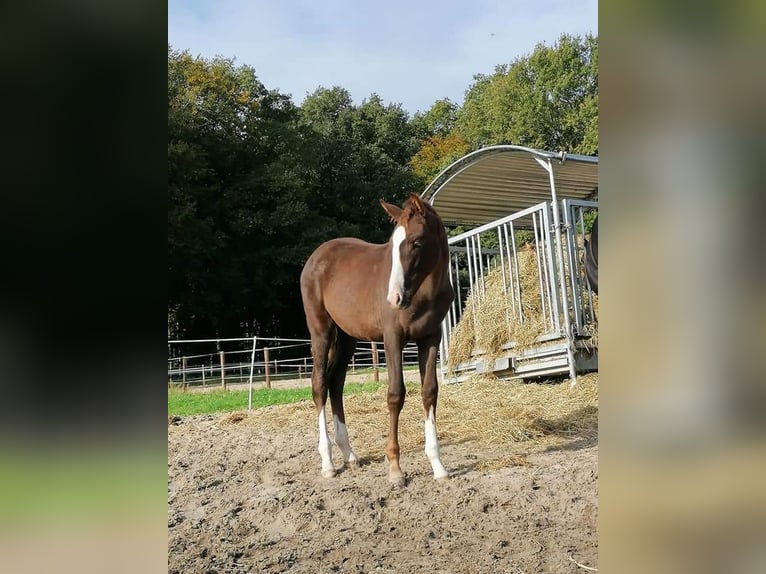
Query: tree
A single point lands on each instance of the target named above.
(438, 121)
(436, 153)
(256, 183)
(364, 155)
(547, 100)
(237, 179)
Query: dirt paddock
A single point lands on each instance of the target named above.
(245, 493)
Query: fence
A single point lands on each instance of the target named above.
(261, 360)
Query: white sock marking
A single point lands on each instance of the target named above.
(325, 449)
(341, 440)
(432, 446)
(396, 279)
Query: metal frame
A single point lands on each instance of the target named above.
(561, 279)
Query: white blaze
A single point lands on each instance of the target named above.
(325, 452)
(341, 439)
(396, 280)
(432, 446)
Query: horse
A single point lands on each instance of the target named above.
(396, 292)
(591, 257)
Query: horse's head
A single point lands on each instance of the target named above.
(416, 248)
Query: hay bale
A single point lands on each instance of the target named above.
(492, 318)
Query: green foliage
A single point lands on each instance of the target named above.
(436, 153)
(588, 217)
(438, 121)
(236, 182)
(256, 183)
(547, 100)
(363, 155)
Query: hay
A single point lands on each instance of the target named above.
(492, 319)
(483, 410)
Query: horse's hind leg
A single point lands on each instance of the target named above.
(322, 340)
(427, 349)
(344, 349)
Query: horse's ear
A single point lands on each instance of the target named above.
(393, 211)
(417, 203)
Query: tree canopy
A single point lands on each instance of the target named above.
(256, 182)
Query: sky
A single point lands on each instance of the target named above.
(408, 52)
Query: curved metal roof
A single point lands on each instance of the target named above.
(496, 181)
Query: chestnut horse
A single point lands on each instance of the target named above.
(395, 292)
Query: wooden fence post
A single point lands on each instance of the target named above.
(223, 371)
(183, 371)
(375, 375)
(266, 366)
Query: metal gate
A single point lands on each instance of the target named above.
(564, 306)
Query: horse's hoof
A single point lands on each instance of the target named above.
(328, 473)
(441, 478)
(396, 481)
(353, 464)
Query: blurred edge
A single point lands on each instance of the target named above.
(82, 449)
(682, 298)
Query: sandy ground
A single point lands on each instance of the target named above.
(244, 498)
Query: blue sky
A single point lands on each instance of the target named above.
(412, 53)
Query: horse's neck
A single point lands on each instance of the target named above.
(439, 277)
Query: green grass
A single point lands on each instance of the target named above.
(192, 403)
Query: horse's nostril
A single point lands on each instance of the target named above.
(398, 298)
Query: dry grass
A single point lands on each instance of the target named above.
(502, 462)
(485, 410)
(492, 317)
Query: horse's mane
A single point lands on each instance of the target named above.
(409, 209)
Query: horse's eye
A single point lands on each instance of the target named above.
(416, 244)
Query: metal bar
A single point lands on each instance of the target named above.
(238, 339)
(502, 262)
(470, 275)
(574, 264)
(456, 301)
(477, 242)
(443, 352)
(508, 259)
(250, 382)
(541, 272)
(585, 280)
(562, 281)
(516, 265)
(488, 226)
(552, 289)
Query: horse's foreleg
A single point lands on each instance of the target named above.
(396, 393)
(430, 391)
